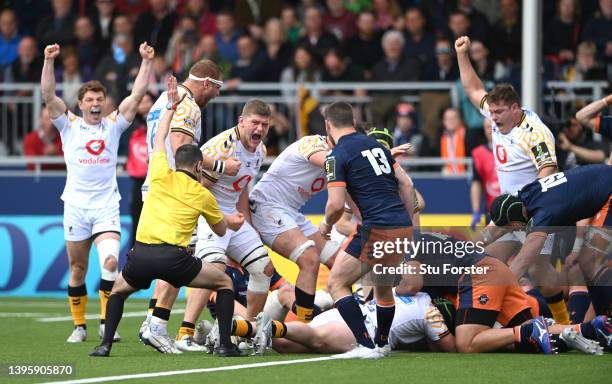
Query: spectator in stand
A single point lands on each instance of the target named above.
(227, 37)
(339, 21)
(207, 49)
(386, 11)
(30, 13)
(485, 177)
(291, 24)
(452, 142)
(9, 37)
(367, 39)
(459, 25)
(180, 54)
(69, 77)
(586, 66)
(506, 33)
(598, 29)
(304, 68)
(89, 50)
(315, 37)
(251, 64)
(122, 25)
(445, 68)
(200, 9)
(338, 68)
(119, 68)
(104, 19)
(420, 44)
(57, 28)
(278, 51)
(44, 141)
(479, 24)
(155, 26)
(277, 138)
(437, 12)
(159, 75)
(406, 131)
(562, 33)
(252, 15)
(579, 147)
(133, 7)
(482, 62)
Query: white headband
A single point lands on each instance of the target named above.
(214, 81)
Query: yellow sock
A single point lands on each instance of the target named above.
(279, 329)
(558, 310)
(186, 329)
(303, 314)
(78, 305)
(103, 300)
(241, 328)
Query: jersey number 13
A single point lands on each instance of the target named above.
(378, 160)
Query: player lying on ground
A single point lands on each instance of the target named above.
(175, 201)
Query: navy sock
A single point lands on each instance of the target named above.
(601, 292)
(578, 305)
(384, 317)
(351, 313)
(588, 330)
(114, 311)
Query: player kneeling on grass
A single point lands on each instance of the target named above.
(170, 213)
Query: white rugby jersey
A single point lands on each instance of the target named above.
(187, 119)
(227, 188)
(292, 180)
(90, 152)
(415, 318)
(521, 153)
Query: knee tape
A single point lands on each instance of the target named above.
(106, 248)
(297, 251)
(255, 264)
(330, 249)
(598, 239)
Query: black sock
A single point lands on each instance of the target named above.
(303, 305)
(152, 304)
(161, 313)
(578, 305)
(588, 330)
(384, 317)
(601, 292)
(316, 310)
(225, 312)
(114, 311)
(524, 345)
(544, 310)
(351, 313)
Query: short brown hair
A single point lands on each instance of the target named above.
(340, 115)
(206, 68)
(256, 107)
(503, 93)
(93, 86)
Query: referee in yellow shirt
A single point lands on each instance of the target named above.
(170, 213)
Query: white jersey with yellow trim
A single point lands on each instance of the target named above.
(292, 180)
(227, 188)
(187, 119)
(521, 153)
(90, 152)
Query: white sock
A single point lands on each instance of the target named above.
(274, 308)
(158, 326)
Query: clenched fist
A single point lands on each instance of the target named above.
(146, 51)
(52, 51)
(462, 45)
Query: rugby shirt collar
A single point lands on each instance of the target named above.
(188, 174)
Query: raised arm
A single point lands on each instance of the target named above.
(159, 145)
(55, 105)
(474, 88)
(129, 106)
(587, 116)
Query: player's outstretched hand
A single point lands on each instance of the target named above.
(402, 149)
(235, 221)
(52, 51)
(232, 166)
(146, 51)
(462, 45)
(171, 85)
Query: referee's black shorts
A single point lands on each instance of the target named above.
(147, 262)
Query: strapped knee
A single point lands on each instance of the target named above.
(255, 263)
(108, 248)
(598, 240)
(329, 250)
(297, 251)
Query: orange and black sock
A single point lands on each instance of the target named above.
(152, 304)
(304, 303)
(242, 328)
(106, 286)
(279, 329)
(186, 328)
(77, 298)
(557, 306)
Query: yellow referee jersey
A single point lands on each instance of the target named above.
(173, 204)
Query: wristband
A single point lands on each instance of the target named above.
(577, 245)
(218, 166)
(325, 223)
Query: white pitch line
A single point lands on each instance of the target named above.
(189, 371)
(58, 304)
(97, 317)
(24, 314)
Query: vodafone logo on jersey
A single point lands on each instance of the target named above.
(95, 147)
(501, 154)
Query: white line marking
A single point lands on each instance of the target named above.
(26, 314)
(58, 304)
(97, 317)
(190, 371)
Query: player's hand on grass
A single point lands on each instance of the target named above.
(146, 51)
(235, 221)
(462, 45)
(52, 51)
(232, 166)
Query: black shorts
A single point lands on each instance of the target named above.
(147, 262)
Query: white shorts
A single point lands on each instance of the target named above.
(333, 315)
(271, 220)
(81, 224)
(520, 236)
(235, 244)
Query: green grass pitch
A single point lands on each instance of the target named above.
(27, 340)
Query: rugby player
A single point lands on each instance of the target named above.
(591, 117)
(380, 189)
(175, 201)
(91, 196)
(562, 199)
(524, 150)
(202, 85)
(244, 246)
